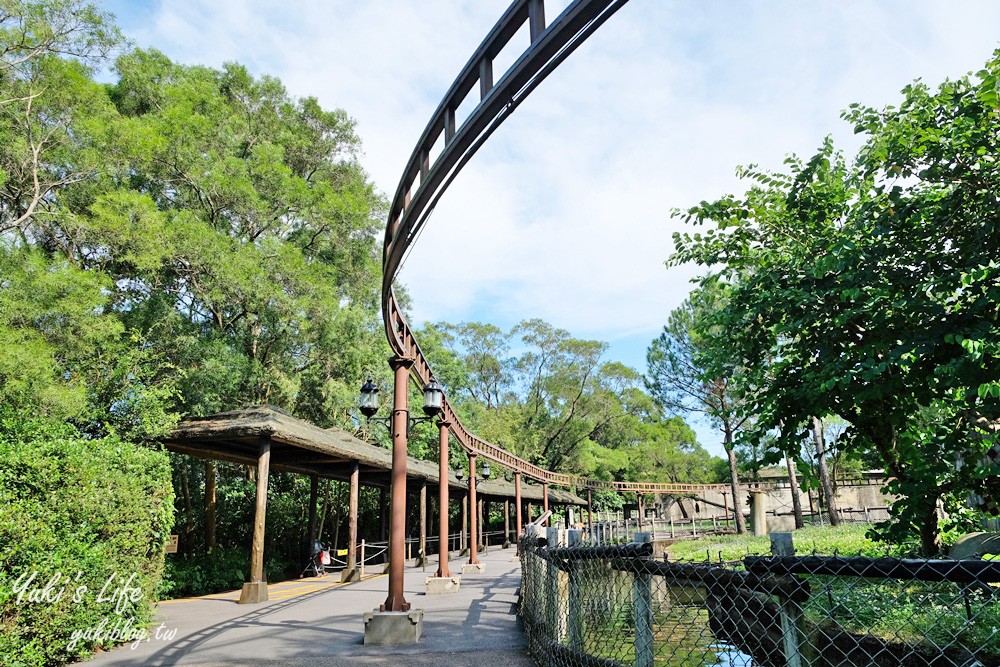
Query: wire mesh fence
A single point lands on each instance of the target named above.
(617, 605)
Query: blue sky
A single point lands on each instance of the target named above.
(565, 213)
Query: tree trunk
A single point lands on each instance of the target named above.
(930, 545)
(741, 523)
(793, 483)
(824, 473)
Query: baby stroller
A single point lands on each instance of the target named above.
(318, 560)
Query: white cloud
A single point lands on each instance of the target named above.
(564, 214)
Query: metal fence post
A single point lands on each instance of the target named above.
(575, 595)
(557, 585)
(790, 640)
(642, 602)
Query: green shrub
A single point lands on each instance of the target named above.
(89, 511)
(225, 569)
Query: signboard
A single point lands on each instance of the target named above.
(172, 545)
(341, 552)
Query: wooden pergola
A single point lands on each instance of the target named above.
(269, 438)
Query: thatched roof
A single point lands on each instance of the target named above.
(301, 447)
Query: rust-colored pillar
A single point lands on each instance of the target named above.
(255, 590)
(545, 501)
(517, 504)
(397, 525)
(473, 506)
(350, 572)
(638, 501)
(443, 551)
(463, 541)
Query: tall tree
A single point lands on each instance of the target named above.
(870, 291)
(683, 377)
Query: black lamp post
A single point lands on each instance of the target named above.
(368, 403)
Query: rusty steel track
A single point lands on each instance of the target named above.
(445, 147)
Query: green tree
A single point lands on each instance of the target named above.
(689, 372)
(870, 291)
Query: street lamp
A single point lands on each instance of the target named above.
(368, 403)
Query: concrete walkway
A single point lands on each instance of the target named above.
(318, 622)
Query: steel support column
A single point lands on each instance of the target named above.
(517, 505)
(397, 525)
(443, 469)
(473, 506)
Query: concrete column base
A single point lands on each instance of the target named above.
(473, 568)
(349, 576)
(391, 628)
(439, 585)
(253, 592)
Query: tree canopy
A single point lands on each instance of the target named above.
(868, 289)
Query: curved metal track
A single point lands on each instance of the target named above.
(443, 150)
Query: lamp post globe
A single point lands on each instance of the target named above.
(459, 473)
(433, 398)
(486, 470)
(368, 401)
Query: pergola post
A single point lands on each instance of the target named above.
(473, 565)
(255, 590)
(506, 523)
(463, 540)
(545, 502)
(517, 506)
(350, 572)
(590, 513)
(483, 525)
(422, 557)
(313, 493)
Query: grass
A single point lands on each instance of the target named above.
(846, 539)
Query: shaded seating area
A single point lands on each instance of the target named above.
(270, 438)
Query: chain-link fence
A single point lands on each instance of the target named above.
(617, 605)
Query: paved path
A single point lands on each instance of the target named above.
(318, 622)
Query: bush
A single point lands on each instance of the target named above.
(225, 569)
(85, 515)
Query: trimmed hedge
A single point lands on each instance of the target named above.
(91, 512)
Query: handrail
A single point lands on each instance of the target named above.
(426, 177)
